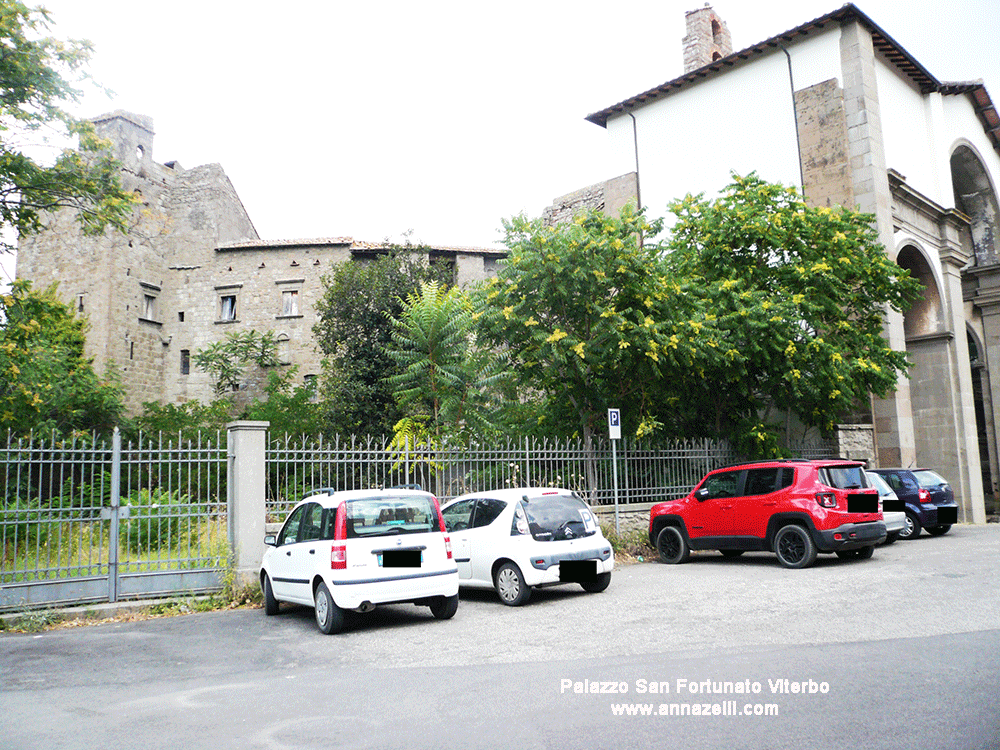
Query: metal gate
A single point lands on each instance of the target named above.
(88, 520)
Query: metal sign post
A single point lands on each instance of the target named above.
(615, 433)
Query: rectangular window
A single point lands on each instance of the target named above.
(149, 307)
(185, 361)
(290, 302)
(79, 302)
(228, 307)
(180, 317)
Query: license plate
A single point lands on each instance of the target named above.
(578, 571)
(404, 558)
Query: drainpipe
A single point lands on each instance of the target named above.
(795, 116)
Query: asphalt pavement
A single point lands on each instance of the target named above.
(902, 650)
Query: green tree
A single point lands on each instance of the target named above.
(46, 381)
(797, 298)
(39, 76)
(591, 319)
(444, 379)
(240, 359)
(353, 332)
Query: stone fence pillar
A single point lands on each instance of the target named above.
(247, 480)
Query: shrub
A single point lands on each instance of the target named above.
(156, 519)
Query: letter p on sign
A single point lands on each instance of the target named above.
(615, 424)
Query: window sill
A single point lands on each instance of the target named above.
(156, 323)
(287, 317)
(226, 322)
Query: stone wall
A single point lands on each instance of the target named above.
(608, 196)
(707, 38)
(822, 130)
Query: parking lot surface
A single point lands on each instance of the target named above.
(907, 644)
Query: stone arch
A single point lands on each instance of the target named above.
(976, 197)
(983, 406)
(927, 314)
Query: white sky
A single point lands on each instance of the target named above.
(373, 118)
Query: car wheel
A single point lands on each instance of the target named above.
(865, 552)
(913, 527)
(596, 587)
(732, 552)
(445, 607)
(329, 616)
(794, 547)
(672, 546)
(939, 530)
(510, 585)
(891, 537)
(270, 603)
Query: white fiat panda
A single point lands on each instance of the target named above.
(353, 550)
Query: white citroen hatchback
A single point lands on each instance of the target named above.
(514, 539)
(353, 550)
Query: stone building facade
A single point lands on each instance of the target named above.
(838, 108)
(191, 269)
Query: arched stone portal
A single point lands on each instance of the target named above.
(976, 197)
(985, 430)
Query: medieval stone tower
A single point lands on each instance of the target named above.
(707, 38)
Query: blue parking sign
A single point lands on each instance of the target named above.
(615, 424)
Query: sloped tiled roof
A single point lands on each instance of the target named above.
(884, 43)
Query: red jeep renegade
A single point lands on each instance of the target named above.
(795, 508)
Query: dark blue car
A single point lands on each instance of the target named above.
(927, 500)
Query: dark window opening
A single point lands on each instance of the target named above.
(185, 361)
(180, 317)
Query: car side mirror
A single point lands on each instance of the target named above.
(701, 495)
(271, 540)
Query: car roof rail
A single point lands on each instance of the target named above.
(319, 491)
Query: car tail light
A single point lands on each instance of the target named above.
(827, 499)
(924, 495)
(447, 539)
(340, 529)
(447, 546)
(338, 557)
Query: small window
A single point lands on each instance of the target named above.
(290, 302)
(180, 317)
(227, 309)
(149, 307)
(185, 361)
(79, 302)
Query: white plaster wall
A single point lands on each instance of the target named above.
(961, 124)
(908, 130)
(740, 120)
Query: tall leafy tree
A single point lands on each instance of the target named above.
(591, 319)
(797, 298)
(444, 379)
(353, 332)
(46, 381)
(39, 76)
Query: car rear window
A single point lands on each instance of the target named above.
(843, 477)
(553, 518)
(929, 479)
(383, 516)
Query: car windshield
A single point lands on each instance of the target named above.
(880, 484)
(381, 516)
(843, 477)
(558, 517)
(929, 480)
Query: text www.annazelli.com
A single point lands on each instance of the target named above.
(723, 708)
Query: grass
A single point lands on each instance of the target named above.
(631, 545)
(82, 548)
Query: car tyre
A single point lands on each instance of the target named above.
(891, 537)
(794, 547)
(270, 603)
(597, 586)
(329, 617)
(732, 552)
(510, 585)
(939, 530)
(444, 607)
(672, 546)
(865, 553)
(913, 527)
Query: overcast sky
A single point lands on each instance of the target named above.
(372, 119)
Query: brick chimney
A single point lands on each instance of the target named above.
(707, 38)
